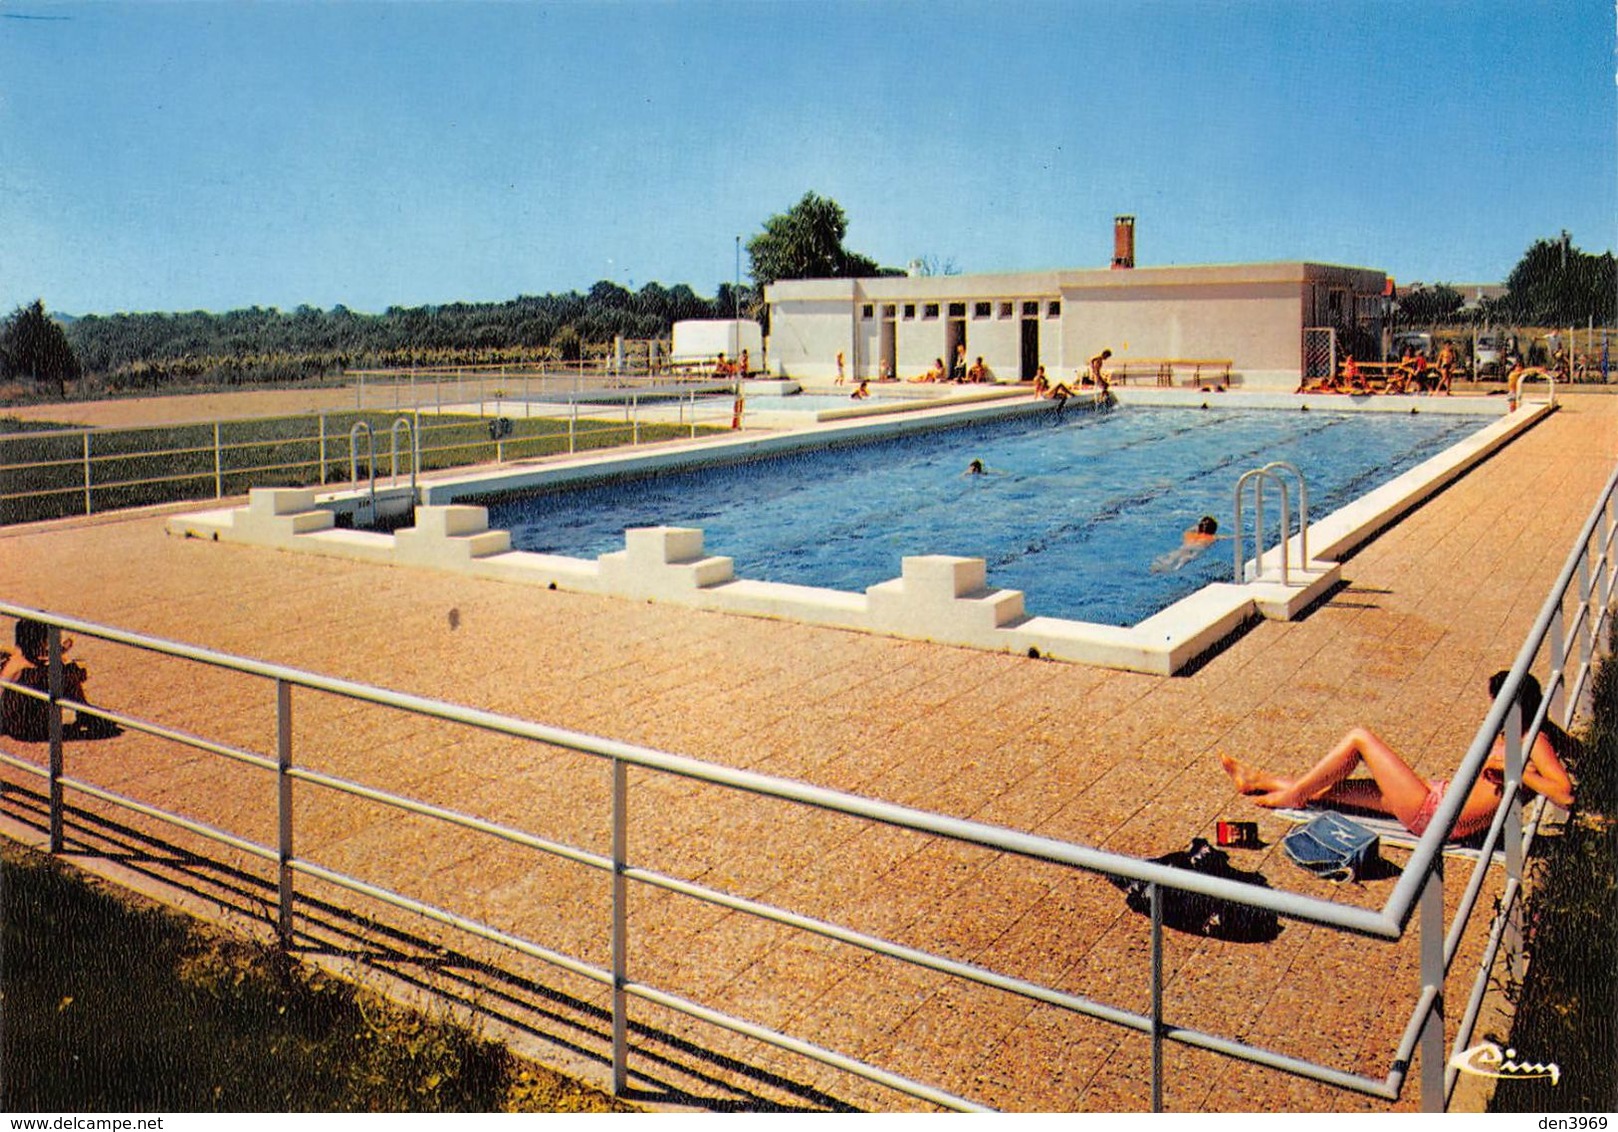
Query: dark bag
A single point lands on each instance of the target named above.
(1197, 914)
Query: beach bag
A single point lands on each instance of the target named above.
(1196, 914)
(1332, 847)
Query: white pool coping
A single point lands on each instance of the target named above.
(937, 598)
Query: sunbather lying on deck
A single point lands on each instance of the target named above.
(1397, 790)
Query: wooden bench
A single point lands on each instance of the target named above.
(1163, 370)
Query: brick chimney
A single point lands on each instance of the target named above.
(1123, 242)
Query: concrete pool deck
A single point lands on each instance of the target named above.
(1118, 760)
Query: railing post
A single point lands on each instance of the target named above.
(283, 781)
(1590, 616)
(54, 677)
(87, 508)
(1433, 1056)
(620, 927)
(218, 466)
(572, 428)
(1156, 894)
(1558, 673)
(323, 449)
(1512, 833)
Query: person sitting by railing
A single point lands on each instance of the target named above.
(26, 718)
(1398, 791)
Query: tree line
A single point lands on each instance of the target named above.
(1554, 284)
(262, 344)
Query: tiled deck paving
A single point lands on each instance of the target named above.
(1119, 760)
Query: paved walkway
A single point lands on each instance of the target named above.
(1118, 760)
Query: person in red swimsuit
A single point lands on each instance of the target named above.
(1397, 790)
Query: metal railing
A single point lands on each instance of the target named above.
(1521, 388)
(1258, 477)
(1570, 638)
(61, 472)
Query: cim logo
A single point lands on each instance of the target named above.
(1486, 1060)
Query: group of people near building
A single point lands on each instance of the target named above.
(737, 367)
(1414, 372)
(1092, 377)
(958, 372)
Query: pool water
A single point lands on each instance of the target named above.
(1073, 511)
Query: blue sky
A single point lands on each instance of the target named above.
(197, 155)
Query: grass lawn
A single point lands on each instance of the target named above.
(42, 474)
(113, 1004)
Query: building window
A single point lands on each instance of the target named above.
(957, 310)
(929, 310)
(867, 312)
(910, 310)
(1053, 309)
(1030, 309)
(1005, 310)
(889, 310)
(980, 310)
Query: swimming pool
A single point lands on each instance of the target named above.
(1073, 511)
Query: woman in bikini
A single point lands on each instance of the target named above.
(1397, 790)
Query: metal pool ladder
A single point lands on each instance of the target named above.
(1258, 477)
(365, 509)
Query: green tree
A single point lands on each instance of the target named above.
(806, 242)
(1556, 284)
(1437, 303)
(32, 346)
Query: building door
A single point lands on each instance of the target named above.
(1030, 348)
(887, 348)
(954, 339)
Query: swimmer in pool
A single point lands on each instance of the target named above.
(979, 468)
(1196, 540)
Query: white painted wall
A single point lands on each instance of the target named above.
(1251, 313)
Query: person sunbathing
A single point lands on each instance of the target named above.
(1059, 392)
(1398, 791)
